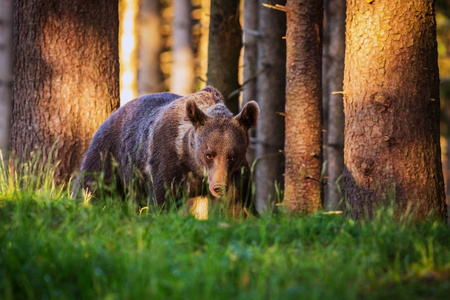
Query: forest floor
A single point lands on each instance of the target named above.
(52, 247)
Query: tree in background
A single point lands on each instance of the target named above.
(303, 146)
(66, 76)
(333, 72)
(391, 104)
(443, 38)
(5, 73)
(150, 48)
(182, 76)
(225, 42)
(249, 89)
(271, 79)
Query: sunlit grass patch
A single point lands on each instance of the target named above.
(54, 247)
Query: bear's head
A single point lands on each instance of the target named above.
(221, 141)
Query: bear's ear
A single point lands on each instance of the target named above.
(248, 117)
(194, 114)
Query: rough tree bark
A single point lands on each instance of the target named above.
(334, 74)
(150, 77)
(391, 104)
(66, 76)
(225, 42)
(6, 22)
(271, 84)
(303, 146)
(183, 75)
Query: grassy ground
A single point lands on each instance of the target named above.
(52, 247)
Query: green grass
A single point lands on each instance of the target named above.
(52, 247)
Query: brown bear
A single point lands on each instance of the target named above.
(168, 143)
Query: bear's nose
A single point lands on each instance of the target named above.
(219, 188)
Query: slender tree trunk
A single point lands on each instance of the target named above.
(66, 75)
(334, 72)
(391, 103)
(202, 55)
(251, 34)
(183, 76)
(225, 42)
(128, 50)
(6, 22)
(150, 78)
(303, 147)
(271, 99)
(250, 49)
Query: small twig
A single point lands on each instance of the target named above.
(253, 32)
(276, 7)
(238, 90)
(338, 92)
(201, 79)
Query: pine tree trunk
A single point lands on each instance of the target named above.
(66, 75)
(334, 72)
(225, 42)
(271, 84)
(182, 76)
(391, 104)
(250, 62)
(150, 78)
(6, 22)
(303, 147)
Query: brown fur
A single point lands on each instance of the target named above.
(169, 142)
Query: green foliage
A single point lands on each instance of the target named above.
(52, 247)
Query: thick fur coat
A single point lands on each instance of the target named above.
(163, 145)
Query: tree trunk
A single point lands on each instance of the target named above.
(391, 104)
(271, 84)
(250, 62)
(334, 72)
(5, 74)
(303, 147)
(150, 78)
(128, 50)
(225, 42)
(66, 75)
(183, 76)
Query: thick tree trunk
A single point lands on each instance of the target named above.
(225, 42)
(66, 75)
(6, 22)
(150, 78)
(183, 75)
(391, 103)
(250, 62)
(271, 99)
(334, 73)
(303, 147)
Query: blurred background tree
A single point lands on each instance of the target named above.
(6, 29)
(443, 38)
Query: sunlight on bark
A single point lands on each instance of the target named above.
(127, 50)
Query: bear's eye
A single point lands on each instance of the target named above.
(232, 158)
(209, 156)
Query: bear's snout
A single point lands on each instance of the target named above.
(219, 189)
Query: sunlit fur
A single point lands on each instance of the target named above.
(161, 143)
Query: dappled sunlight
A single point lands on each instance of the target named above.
(199, 207)
(127, 50)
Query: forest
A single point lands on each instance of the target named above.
(349, 162)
